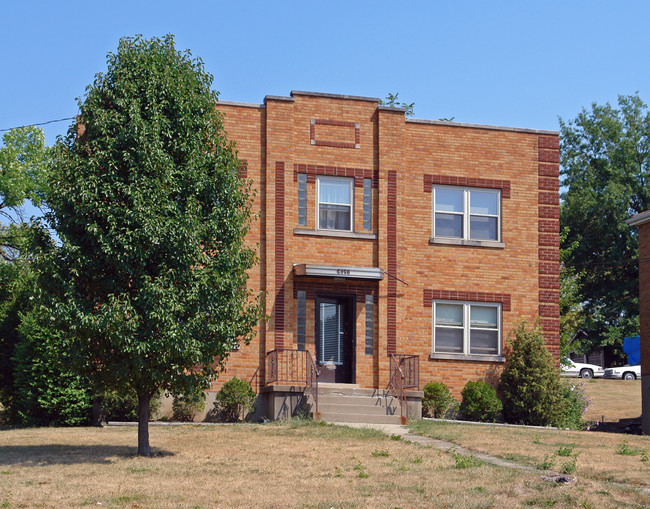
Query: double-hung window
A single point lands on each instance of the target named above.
(466, 328)
(467, 213)
(335, 203)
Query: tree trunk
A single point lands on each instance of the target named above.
(143, 424)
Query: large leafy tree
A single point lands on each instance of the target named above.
(23, 176)
(149, 281)
(605, 164)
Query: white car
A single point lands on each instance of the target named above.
(579, 369)
(626, 372)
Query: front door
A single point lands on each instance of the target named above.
(335, 339)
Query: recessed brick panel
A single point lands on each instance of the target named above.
(347, 136)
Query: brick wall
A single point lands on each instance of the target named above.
(317, 134)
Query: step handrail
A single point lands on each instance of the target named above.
(292, 366)
(401, 380)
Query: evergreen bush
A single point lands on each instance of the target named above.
(531, 387)
(437, 399)
(45, 393)
(480, 402)
(235, 399)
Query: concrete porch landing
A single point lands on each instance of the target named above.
(340, 403)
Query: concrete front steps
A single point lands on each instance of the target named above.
(350, 403)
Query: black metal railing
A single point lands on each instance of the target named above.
(404, 374)
(293, 367)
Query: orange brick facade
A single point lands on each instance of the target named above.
(396, 162)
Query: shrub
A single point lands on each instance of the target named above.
(531, 388)
(186, 406)
(45, 392)
(123, 406)
(574, 405)
(480, 402)
(235, 399)
(436, 400)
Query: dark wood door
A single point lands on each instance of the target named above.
(335, 339)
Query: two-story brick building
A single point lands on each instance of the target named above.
(380, 235)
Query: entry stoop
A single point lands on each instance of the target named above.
(349, 403)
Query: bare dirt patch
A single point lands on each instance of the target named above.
(279, 465)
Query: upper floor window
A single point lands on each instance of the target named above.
(335, 203)
(466, 213)
(466, 328)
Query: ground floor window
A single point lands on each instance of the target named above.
(466, 328)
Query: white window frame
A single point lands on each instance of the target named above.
(467, 327)
(466, 212)
(318, 202)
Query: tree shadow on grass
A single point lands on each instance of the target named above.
(66, 454)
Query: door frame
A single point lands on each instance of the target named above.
(348, 349)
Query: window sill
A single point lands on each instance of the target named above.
(334, 233)
(464, 242)
(461, 357)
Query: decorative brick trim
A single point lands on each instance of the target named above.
(548, 225)
(552, 142)
(549, 268)
(548, 295)
(549, 184)
(243, 168)
(548, 198)
(549, 212)
(391, 248)
(549, 311)
(335, 144)
(549, 156)
(311, 288)
(358, 174)
(548, 170)
(551, 325)
(550, 282)
(547, 254)
(549, 239)
(429, 296)
(447, 180)
(279, 255)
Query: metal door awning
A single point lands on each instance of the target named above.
(338, 271)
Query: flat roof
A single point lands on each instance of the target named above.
(384, 107)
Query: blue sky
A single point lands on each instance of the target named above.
(519, 64)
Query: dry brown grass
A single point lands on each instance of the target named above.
(613, 399)
(288, 465)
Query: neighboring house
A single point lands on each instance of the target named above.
(381, 235)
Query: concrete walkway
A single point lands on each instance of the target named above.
(443, 445)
